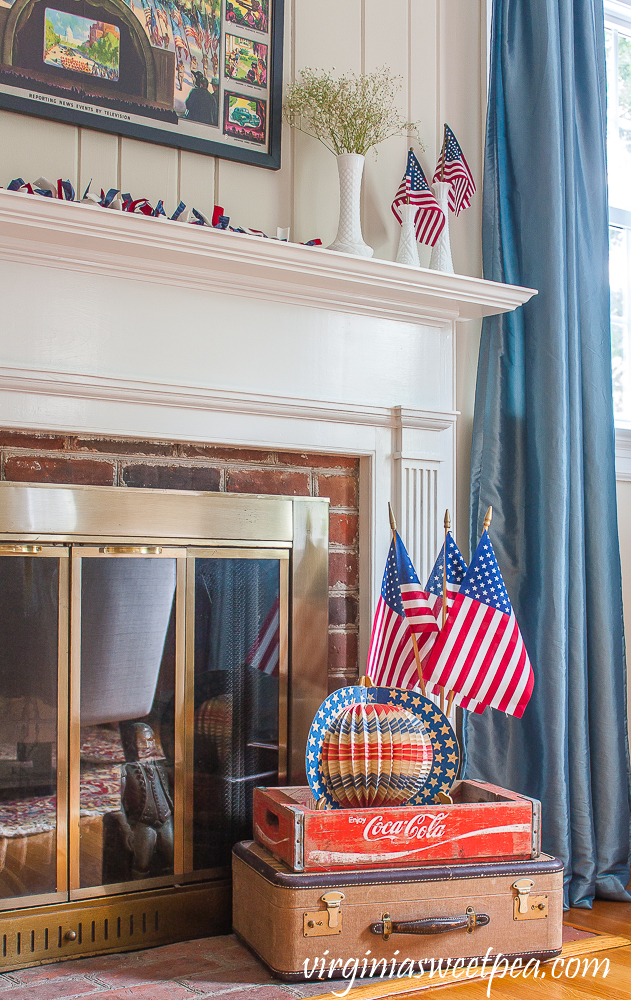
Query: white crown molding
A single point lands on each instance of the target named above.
(188, 397)
(51, 233)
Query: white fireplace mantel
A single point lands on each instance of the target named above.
(117, 324)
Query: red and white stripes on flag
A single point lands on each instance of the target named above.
(480, 653)
(264, 652)
(454, 169)
(403, 608)
(414, 190)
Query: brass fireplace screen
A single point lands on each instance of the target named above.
(160, 655)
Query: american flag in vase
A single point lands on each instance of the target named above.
(402, 607)
(480, 653)
(414, 190)
(263, 654)
(453, 168)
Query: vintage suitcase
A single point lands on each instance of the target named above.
(484, 822)
(292, 920)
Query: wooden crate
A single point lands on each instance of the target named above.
(483, 823)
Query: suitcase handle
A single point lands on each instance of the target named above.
(430, 925)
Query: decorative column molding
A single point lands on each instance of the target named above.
(424, 481)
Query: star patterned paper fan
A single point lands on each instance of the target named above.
(374, 746)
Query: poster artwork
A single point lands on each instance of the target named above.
(188, 73)
(244, 117)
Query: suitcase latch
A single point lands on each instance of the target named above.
(318, 923)
(525, 905)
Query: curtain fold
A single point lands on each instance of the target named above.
(543, 439)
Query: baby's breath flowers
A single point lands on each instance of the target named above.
(348, 114)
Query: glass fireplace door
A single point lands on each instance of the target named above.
(236, 693)
(127, 678)
(33, 724)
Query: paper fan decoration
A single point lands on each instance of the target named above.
(380, 746)
(376, 754)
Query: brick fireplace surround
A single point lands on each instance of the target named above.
(28, 457)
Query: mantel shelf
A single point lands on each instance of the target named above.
(81, 238)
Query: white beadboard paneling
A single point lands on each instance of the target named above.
(149, 171)
(328, 36)
(98, 160)
(33, 147)
(259, 202)
(463, 23)
(197, 181)
(383, 172)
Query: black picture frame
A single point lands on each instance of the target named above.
(115, 79)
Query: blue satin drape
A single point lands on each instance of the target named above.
(543, 441)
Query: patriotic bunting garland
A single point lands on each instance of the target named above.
(123, 202)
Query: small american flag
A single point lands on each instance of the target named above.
(456, 569)
(453, 168)
(480, 653)
(403, 607)
(263, 653)
(414, 190)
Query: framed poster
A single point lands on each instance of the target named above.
(204, 75)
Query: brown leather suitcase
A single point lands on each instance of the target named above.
(394, 916)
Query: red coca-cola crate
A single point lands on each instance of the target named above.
(483, 822)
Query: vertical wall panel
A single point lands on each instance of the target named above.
(197, 181)
(424, 85)
(149, 171)
(253, 197)
(98, 160)
(328, 35)
(33, 147)
(383, 172)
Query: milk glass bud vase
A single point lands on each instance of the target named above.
(441, 251)
(408, 249)
(349, 237)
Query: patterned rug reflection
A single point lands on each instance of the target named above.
(101, 756)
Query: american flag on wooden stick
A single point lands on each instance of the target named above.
(414, 190)
(453, 168)
(403, 607)
(480, 653)
(263, 654)
(456, 569)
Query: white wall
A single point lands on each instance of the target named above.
(437, 46)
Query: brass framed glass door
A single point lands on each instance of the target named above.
(33, 724)
(236, 694)
(126, 679)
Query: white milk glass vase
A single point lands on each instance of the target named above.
(408, 248)
(349, 237)
(441, 251)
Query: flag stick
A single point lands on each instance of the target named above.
(442, 162)
(450, 701)
(444, 615)
(393, 525)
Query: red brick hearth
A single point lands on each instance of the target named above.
(69, 459)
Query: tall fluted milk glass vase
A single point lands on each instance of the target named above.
(441, 251)
(349, 237)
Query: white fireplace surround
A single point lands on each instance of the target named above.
(118, 325)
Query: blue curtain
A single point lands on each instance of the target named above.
(543, 441)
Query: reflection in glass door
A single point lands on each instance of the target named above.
(123, 736)
(33, 731)
(237, 682)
